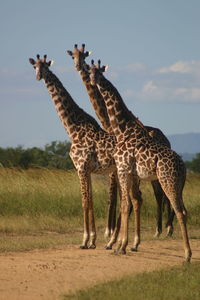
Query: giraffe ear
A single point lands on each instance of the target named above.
(104, 68)
(69, 52)
(50, 63)
(32, 61)
(87, 53)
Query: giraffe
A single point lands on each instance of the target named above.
(78, 56)
(100, 110)
(91, 147)
(138, 156)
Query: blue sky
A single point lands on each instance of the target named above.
(152, 48)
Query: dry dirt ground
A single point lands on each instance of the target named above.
(49, 274)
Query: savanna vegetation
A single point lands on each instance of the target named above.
(40, 201)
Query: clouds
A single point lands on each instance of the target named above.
(178, 82)
(182, 67)
(150, 87)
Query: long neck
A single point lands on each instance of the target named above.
(97, 102)
(121, 119)
(71, 115)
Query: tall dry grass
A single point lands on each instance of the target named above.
(50, 199)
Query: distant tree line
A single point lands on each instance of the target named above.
(54, 156)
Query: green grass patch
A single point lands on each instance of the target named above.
(178, 283)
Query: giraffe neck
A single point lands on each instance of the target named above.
(97, 102)
(121, 119)
(71, 115)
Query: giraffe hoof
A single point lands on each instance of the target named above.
(157, 235)
(108, 247)
(83, 247)
(186, 263)
(134, 249)
(169, 232)
(92, 247)
(120, 252)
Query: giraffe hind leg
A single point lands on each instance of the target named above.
(176, 201)
(158, 192)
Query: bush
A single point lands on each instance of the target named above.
(53, 156)
(194, 165)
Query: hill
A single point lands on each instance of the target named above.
(187, 144)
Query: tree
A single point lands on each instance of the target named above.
(10, 157)
(59, 152)
(34, 157)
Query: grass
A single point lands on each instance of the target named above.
(178, 283)
(44, 192)
(44, 202)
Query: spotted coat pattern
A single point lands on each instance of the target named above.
(137, 155)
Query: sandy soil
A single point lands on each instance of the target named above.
(49, 274)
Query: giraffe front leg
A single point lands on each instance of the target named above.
(123, 238)
(92, 244)
(115, 234)
(136, 199)
(125, 184)
(87, 205)
(86, 226)
(112, 203)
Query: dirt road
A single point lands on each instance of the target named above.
(49, 274)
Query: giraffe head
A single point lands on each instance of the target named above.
(41, 66)
(96, 72)
(79, 55)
